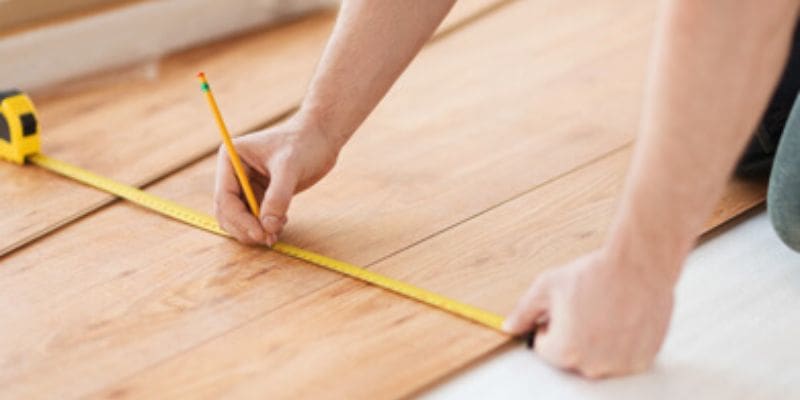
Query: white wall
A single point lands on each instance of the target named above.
(129, 35)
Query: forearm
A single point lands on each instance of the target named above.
(715, 64)
(371, 45)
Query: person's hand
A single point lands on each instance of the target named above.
(279, 162)
(599, 316)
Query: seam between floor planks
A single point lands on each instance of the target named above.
(478, 212)
(204, 153)
(466, 219)
(503, 196)
(500, 203)
(477, 357)
(340, 278)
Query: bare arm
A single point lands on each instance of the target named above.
(713, 68)
(372, 43)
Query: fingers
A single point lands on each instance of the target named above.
(237, 219)
(531, 308)
(556, 349)
(276, 201)
(231, 212)
(557, 344)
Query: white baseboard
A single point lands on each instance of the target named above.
(129, 35)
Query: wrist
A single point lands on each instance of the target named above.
(308, 124)
(652, 255)
(321, 121)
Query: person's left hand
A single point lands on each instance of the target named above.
(599, 316)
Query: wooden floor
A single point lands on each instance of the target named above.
(499, 153)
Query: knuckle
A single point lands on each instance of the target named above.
(283, 161)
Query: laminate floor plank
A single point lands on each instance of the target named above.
(142, 129)
(349, 340)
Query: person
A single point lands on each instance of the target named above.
(713, 69)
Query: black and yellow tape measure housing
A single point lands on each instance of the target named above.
(19, 127)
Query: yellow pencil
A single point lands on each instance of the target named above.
(226, 138)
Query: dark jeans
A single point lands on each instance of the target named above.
(775, 152)
(783, 197)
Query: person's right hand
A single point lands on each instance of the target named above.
(279, 161)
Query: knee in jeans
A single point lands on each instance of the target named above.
(786, 225)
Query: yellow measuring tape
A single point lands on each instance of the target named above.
(207, 222)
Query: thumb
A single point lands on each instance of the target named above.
(530, 309)
(276, 202)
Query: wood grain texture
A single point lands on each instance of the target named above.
(468, 183)
(360, 333)
(348, 340)
(139, 131)
(148, 295)
(445, 146)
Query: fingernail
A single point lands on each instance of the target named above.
(272, 239)
(271, 223)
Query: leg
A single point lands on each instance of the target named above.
(783, 199)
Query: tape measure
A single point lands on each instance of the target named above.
(20, 142)
(19, 127)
